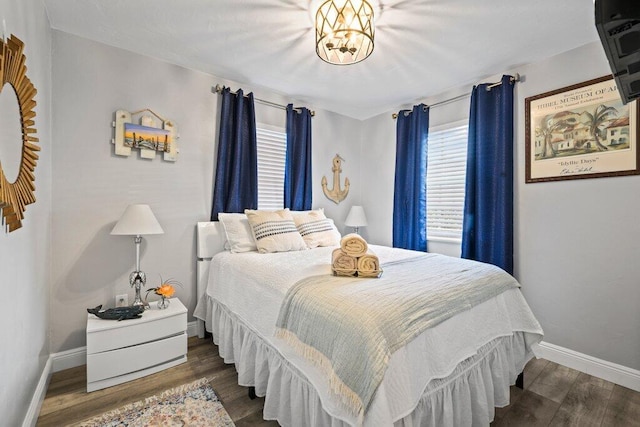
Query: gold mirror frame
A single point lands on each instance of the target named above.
(14, 197)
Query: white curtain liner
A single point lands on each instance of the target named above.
(467, 396)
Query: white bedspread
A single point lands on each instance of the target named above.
(253, 285)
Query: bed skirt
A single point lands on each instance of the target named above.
(468, 396)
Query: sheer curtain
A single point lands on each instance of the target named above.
(410, 192)
(236, 181)
(297, 172)
(487, 233)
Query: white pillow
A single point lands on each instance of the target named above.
(275, 231)
(316, 229)
(238, 231)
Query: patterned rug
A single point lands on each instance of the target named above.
(194, 404)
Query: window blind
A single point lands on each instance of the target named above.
(272, 153)
(446, 171)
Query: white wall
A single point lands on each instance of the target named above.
(336, 134)
(92, 186)
(25, 253)
(576, 242)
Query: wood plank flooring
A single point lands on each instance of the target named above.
(553, 395)
(67, 400)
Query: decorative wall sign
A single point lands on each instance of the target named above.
(150, 136)
(335, 194)
(581, 131)
(14, 197)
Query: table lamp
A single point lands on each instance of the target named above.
(356, 218)
(137, 220)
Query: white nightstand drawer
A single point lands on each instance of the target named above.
(105, 335)
(129, 349)
(130, 359)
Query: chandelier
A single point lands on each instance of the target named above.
(344, 31)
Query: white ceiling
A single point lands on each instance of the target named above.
(422, 47)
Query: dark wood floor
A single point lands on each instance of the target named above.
(67, 400)
(553, 395)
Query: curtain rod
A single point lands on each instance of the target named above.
(513, 79)
(218, 89)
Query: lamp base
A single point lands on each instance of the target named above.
(137, 279)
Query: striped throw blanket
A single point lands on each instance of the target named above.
(350, 327)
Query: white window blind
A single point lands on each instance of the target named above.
(272, 153)
(446, 170)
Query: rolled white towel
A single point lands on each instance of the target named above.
(369, 265)
(354, 245)
(343, 264)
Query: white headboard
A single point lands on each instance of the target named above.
(210, 240)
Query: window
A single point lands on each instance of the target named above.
(446, 170)
(272, 154)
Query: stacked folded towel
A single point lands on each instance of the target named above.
(368, 265)
(354, 258)
(353, 244)
(343, 264)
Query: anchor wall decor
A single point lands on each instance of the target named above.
(336, 194)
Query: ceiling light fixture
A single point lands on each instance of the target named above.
(344, 31)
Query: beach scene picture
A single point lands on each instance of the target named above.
(139, 136)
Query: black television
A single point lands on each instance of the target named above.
(618, 25)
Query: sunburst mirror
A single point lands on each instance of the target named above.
(16, 195)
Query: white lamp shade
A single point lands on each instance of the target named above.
(137, 220)
(356, 217)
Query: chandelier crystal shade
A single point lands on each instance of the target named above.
(344, 31)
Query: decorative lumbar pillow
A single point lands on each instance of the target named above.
(316, 229)
(239, 235)
(275, 231)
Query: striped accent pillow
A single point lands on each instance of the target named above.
(274, 231)
(316, 229)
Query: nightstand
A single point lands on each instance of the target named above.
(121, 351)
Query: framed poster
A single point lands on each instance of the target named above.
(581, 131)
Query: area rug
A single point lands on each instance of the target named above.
(194, 404)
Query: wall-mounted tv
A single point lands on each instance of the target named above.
(618, 24)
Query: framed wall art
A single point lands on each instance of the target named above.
(153, 135)
(581, 131)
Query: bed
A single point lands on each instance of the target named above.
(452, 374)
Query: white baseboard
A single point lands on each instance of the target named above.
(68, 359)
(31, 417)
(617, 374)
(192, 328)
